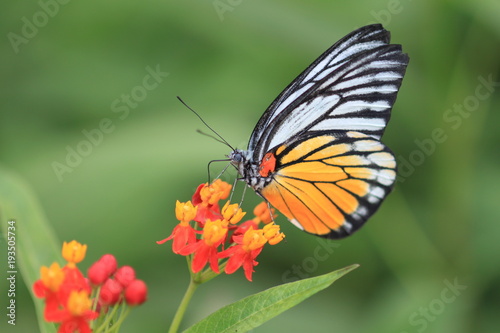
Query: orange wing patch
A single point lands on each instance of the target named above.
(314, 171)
(344, 200)
(305, 204)
(364, 173)
(308, 145)
(347, 160)
(329, 185)
(356, 186)
(332, 150)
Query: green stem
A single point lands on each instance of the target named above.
(94, 305)
(183, 306)
(123, 314)
(208, 274)
(109, 316)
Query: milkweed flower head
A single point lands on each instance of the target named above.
(208, 234)
(75, 302)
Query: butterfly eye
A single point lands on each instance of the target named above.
(236, 157)
(268, 164)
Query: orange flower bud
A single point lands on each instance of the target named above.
(263, 214)
(232, 213)
(73, 252)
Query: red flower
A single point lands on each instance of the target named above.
(237, 236)
(48, 287)
(73, 281)
(205, 250)
(77, 313)
(56, 285)
(244, 254)
(206, 198)
(75, 324)
(183, 234)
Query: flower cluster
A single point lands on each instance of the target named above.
(78, 303)
(210, 234)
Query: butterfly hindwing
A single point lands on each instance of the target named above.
(329, 184)
(350, 87)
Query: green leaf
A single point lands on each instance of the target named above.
(30, 236)
(254, 310)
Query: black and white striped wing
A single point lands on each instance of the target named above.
(350, 87)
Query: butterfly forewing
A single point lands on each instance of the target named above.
(329, 184)
(352, 86)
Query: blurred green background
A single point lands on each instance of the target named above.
(429, 258)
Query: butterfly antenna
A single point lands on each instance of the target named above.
(205, 123)
(210, 136)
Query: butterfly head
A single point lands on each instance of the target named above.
(256, 175)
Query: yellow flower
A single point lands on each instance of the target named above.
(222, 187)
(52, 277)
(78, 302)
(253, 239)
(272, 233)
(185, 211)
(73, 252)
(232, 213)
(211, 194)
(214, 232)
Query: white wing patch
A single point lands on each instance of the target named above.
(351, 87)
(349, 124)
(386, 89)
(298, 120)
(295, 95)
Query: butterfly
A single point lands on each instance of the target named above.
(315, 154)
